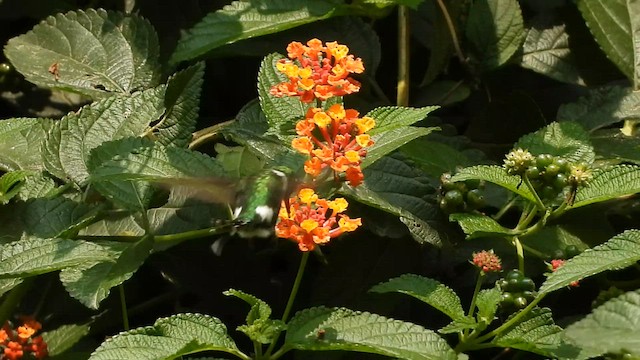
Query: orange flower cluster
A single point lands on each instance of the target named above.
(20, 342)
(334, 139)
(323, 71)
(312, 221)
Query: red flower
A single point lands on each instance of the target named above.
(487, 261)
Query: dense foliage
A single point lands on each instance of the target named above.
(165, 164)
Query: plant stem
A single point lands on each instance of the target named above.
(452, 32)
(504, 209)
(520, 253)
(202, 136)
(123, 306)
(475, 295)
(527, 182)
(292, 296)
(510, 322)
(403, 56)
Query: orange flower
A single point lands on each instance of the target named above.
(312, 221)
(13, 351)
(334, 139)
(19, 343)
(318, 72)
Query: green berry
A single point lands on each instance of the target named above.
(528, 295)
(563, 164)
(543, 160)
(454, 197)
(551, 171)
(502, 284)
(506, 299)
(571, 251)
(475, 199)
(520, 302)
(527, 284)
(472, 183)
(559, 254)
(532, 173)
(514, 274)
(560, 182)
(548, 192)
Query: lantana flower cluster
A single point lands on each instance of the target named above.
(20, 343)
(318, 72)
(334, 139)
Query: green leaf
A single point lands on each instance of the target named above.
(250, 129)
(619, 252)
(8, 284)
(426, 290)
(497, 175)
(459, 325)
(37, 185)
(91, 285)
(420, 230)
(397, 180)
(281, 112)
(566, 139)
(238, 161)
(435, 158)
(342, 329)
(536, 333)
(609, 183)
(487, 303)
(96, 53)
(495, 29)
(546, 51)
(259, 327)
(64, 337)
(551, 238)
(68, 145)
(243, 20)
(10, 185)
(609, 327)
(395, 117)
(615, 26)
(181, 99)
(476, 225)
(169, 338)
(602, 107)
(34, 256)
(616, 147)
(20, 141)
(391, 140)
(47, 218)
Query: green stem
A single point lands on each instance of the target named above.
(520, 253)
(523, 223)
(257, 349)
(403, 56)
(510, 322)
(187, 235)
(12, 299)
(504, 209)
(280, 352)
(475, 295)
(201, 136)
(533, 251)
(292, 296)
(452, 32)
(123, 306)
(527, 182)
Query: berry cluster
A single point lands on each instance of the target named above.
(460, 196)
(517, 290)
(549, 175)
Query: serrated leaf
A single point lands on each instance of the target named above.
(37, 185)
(609, 328)
(395, 117)
(497, 175)
(242, 20)
(182, 101)
(93, 284)
(426, 290)
(281, 112)
(459, 325)
(388, 141)
(68, 145)
(546, 51)
(20, 141)
(250, 129)
(420, 229)
(91, 52)
(495, 29)
(64, 337)
(169, 338)
(344, 329)
(487, 303)
(536, 333)
(435, 158)
(8, 284)
(566, 139)
(34, 256)
(619, 252)
(47, 218)
(602, 107)
(615, 27)
(238, 161)
(609, 183)
(259, 309)
(10, 185)
(398, 181)
(476, 225)
(616, 147)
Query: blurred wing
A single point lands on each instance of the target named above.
(210, 190)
